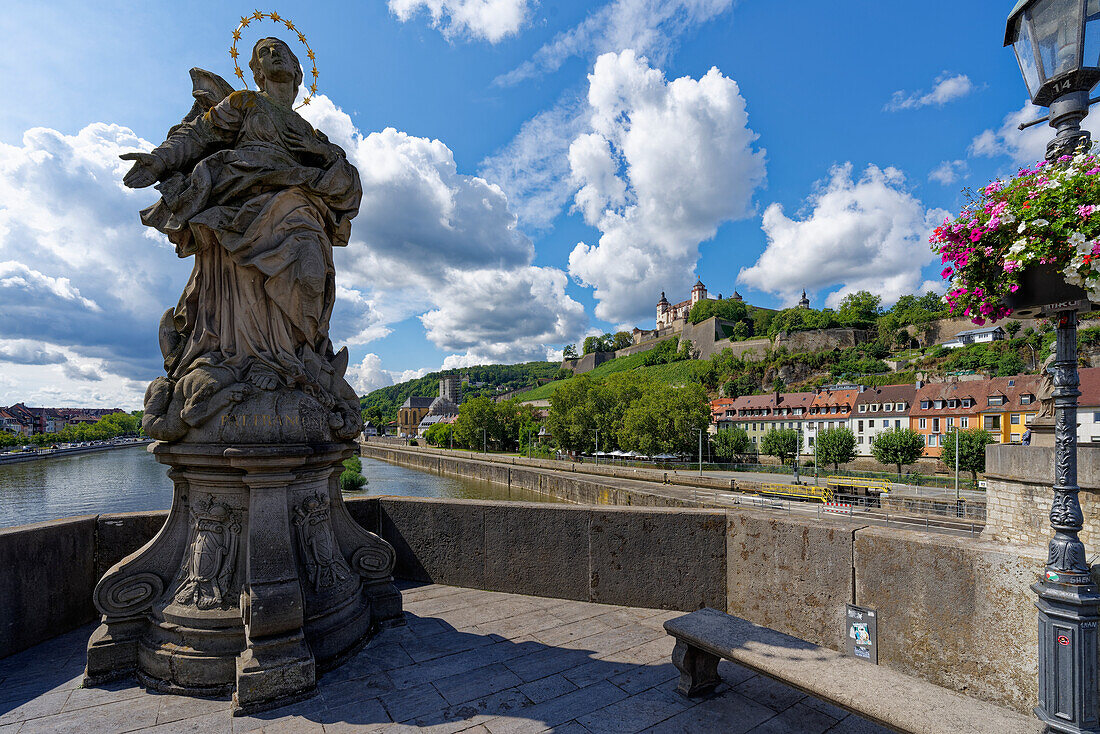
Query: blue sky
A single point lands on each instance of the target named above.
(534, 171)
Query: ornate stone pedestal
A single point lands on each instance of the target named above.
(258, 580)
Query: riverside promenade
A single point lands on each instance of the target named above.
(599, 484)
(468, 661)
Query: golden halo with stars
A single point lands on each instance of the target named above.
(275, 17)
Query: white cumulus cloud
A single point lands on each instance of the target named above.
(496, 316)
(433, 242)
(665, 163)
(485, 20)
(650, 27)
(1023, 147)
(368, 374)
(868, 233)
(948, 87)
(948, 172)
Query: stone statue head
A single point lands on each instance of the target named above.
(282, 61)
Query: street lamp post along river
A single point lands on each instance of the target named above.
(1057, 44)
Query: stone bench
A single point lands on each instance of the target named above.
(891, 698)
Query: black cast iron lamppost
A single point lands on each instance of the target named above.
(1057, 43)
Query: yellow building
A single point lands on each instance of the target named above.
(1008, 407)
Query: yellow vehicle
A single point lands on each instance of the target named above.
(856, 485)
(798, 492)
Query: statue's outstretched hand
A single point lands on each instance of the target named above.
(145, 171)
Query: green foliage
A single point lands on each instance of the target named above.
(439, 434)
(621, 340)
(497, 426)
(732, 444)
(109, 426)
(782, 443)
(631, 411)
(971, 447)
(351, 481)
(497, 378)
(667, 352)
(727, 309)
(1012, 328)
(802, 319)
(836, 446)
(898, 446)
(861, 308)
(569, 352)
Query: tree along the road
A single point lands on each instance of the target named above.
(782, 443)
(836, 446)
(731, 443)
(631, 411)
(898, 446)
(484, 423)
(972, 445)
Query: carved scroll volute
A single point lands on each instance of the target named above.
(374, 561)
(124, 596)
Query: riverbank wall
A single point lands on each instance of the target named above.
(955, 611)
(586, 483)
(16, 458)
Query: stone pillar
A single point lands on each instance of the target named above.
(258, 580)
(1018, 495)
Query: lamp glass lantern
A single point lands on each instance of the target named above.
(1057, 44)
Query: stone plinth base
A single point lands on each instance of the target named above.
(1019, 493)
(258, 580)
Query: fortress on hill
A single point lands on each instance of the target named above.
(708, 337)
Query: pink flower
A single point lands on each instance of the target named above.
(975, 235)
(1011, 265)
(946, 273)
(1092, 171)
(1085, 210)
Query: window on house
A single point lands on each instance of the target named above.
(935, 425)
(874, 407)
(888, 407)
(901, 406)
(1016, 419)
(952, 403)
(991, 422)
(860, 426)
(861, 439)
(1026, 399)
(863, 408)
(938, 404)
(931, 440)
(811, 440)
(950, 422)
(897, 424)
(871, 424)
(996, 400)
(924, 423)
(964, 422)
(925, 404)
(968, 402)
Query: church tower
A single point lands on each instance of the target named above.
(804, 302)
(662, 310)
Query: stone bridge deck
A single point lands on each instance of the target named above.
(473, 661)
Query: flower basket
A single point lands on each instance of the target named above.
(1025, 243)
(1041, 285)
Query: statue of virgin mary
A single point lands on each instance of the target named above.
(258, 198)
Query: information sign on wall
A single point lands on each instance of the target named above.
(861, 633)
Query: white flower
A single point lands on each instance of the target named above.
(1022, 227)
(1077, 240)
(1017, 246)
(1040, 222)
(1007, 217)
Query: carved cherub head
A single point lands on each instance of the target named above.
(273, 59)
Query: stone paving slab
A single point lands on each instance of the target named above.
(460, 665)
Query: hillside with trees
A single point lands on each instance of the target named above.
(380, 406)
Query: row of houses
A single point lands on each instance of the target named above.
(1004, 406)
(22, 420)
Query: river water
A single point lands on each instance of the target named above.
(130, 480)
